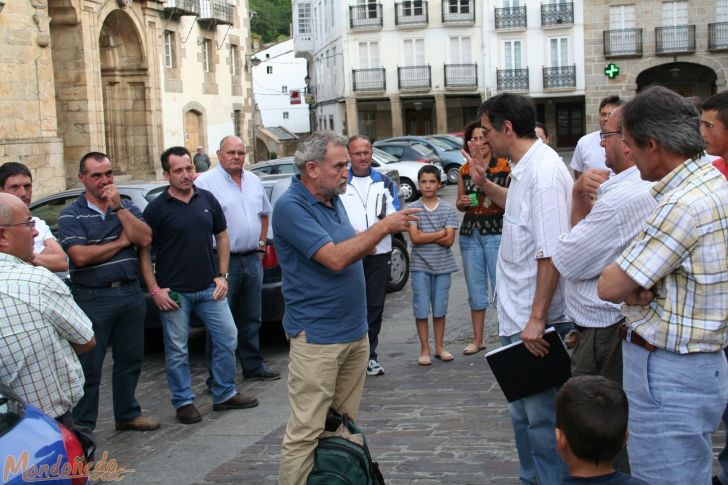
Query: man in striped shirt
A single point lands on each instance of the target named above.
(673, 281)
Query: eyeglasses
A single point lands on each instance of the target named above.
(30, 223)
(486, 130)
(606, 134)
(238, 153)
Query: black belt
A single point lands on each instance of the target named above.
(244, 253)
(115, 284)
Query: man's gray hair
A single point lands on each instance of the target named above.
(313, 148)
(662, 115)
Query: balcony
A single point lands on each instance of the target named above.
(411, 13)
(622, 43)
(414, 77)
(512, 79)
(560, 77)
(461, 75)
(554, 15)
(213, 12)
(182, 7)
(510, 18)
(369, 79)
(718, 36)
(367, 16)
(678, 39)
(458, 11)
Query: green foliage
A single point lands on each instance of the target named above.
(273, 19)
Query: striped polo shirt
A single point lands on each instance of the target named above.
(433, 258)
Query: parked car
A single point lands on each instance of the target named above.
(277, 166)
(450, 157)
(49, 208)
(48, 446)
(407, 158)
(453, 140)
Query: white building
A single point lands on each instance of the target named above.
(278, 74)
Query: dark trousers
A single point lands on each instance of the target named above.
(376, 273)
(117, 315)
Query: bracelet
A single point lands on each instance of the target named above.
(155, 291)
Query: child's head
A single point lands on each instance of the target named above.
(429, 169)
(591, 419)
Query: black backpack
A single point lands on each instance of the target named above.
(342, 455)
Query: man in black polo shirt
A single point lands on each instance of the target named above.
(100, 232)
(189, 278)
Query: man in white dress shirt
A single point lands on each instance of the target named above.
(589, 152)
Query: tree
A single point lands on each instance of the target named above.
(272, 20)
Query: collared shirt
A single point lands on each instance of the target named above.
(624, 202)
(682, 256)
(536, 213)
(330, 306)
(182, 236)
(38, 319)
(589, 153)
(242, 206)
(44, 233)
(82, 223)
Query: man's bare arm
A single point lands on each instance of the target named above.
(81, 348)
(547, 280)
(138, 231)
(97, 253)
(52, 257)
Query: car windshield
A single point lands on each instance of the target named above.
(423, 150)
(439, 144)
(387, 157)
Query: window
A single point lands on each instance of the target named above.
(674, 13)
(206, 55)
(269, 69)
(414, 52)
(331, 122)
(512, 54)
(168, 49)
(458, 6)
(304, 18)
(511, 3)
(235, 59)
(371, 8)
(412, 8)
(559, 51)
(721, 10)
(368, 55)
(368, 124)
(284, 89)
(285, 115)
(622, 17)
(237, 122)
(460, 50)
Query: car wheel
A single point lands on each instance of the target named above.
(453, 173)
(399, 270)
(407, 189)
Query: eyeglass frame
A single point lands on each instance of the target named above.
(603, 135)
(30, 223)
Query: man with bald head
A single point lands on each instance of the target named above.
(246, 208)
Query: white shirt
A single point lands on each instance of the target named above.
(536, 213)
(363, 201)
(589, 153)
(624, 202)
(242, 206)
(44, 233)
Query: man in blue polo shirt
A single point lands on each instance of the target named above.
(325, 295)
(100, 232)
(184, 219)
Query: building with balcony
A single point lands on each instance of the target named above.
(125, 78)
(679, 44)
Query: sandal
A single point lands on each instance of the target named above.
(471, 349)
(444, 356)
(424, 360)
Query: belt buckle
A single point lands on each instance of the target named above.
(115, 284)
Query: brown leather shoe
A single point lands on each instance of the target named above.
(188, 414)
(140, 423)
(236, 402)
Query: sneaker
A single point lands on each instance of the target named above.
(238, 401)
(140, 423)
(188, 414)
(374, 369)
(265, 375)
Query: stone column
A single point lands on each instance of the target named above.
(396, 107)
(441, 113)
(352, 117)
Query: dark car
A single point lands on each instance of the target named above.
(49, 208)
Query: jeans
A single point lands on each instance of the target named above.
(245, 283)
(675, 403)
(377, 268)
(117, 315)
(218, 320)
(723, 455)
(430, 291)
(480, 255)
(534, 422)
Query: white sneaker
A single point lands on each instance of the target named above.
(374, 369)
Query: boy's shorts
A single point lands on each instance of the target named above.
(430, 290)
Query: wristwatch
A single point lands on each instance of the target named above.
(261, 244)
(224, 275)
(117, 209)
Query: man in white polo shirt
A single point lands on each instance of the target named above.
(589, 152)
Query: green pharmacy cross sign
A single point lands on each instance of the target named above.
(611, 71)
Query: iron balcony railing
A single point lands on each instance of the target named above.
(718, 36)
(369, 79)
(559, 77)
(182, 7)
(368, 15)
(458, 11)
(622, 43)
(510, 18)
(678, 39)
(512, 79)
(216, 12)
(411, 12)
(557, 14)
(414, 77)
(461, 75)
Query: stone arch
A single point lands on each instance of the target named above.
(701, 62)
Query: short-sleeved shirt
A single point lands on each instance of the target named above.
(432, 258)
(182, 236)
(682, 257)
(589, 153)
(486, 217)
(537, 213)
(330, 306)
(38, 319)
(243, 207)
(84, 224)
(44, 234)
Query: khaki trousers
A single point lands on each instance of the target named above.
(319, 377)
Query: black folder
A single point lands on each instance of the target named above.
(521, 374)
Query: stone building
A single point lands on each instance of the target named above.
(124, 77)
